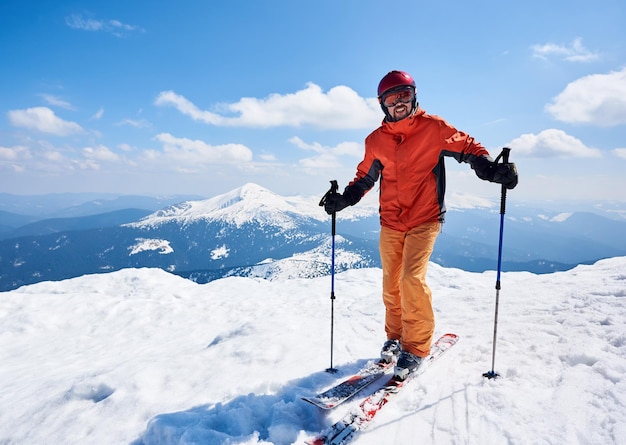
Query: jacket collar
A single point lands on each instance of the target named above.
(404, 124)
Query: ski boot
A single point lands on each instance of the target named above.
(391, 350)
(406, 364)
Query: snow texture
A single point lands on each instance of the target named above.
(143, 357)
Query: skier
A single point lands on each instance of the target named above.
(407, 153)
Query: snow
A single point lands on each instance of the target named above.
(144, 244)
(562, 217)
(253, 202)
(313, 263)
(462, 201)
(250, 202)
(220, 252)
(143, 357)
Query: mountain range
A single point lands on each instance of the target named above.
(251, 231)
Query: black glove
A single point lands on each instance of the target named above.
(335, 202)
(505, 174)
(502, 173)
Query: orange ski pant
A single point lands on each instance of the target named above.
(409, 315)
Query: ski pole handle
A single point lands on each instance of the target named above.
(333, 189)
(504, 154)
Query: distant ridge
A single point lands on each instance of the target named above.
(251, 231)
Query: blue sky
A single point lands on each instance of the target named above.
(199, 97)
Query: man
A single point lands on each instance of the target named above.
(407, 153)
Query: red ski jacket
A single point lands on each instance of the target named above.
(408, 156)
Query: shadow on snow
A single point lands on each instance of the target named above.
(278, 418)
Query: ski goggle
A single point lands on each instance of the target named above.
(393, 98)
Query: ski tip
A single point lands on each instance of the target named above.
(318, 403)
(448, 338)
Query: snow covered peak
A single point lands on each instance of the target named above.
(251, 202)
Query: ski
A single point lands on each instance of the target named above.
(332, 397)
(358, 418)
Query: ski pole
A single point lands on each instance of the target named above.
(505, 159)
(333, 189)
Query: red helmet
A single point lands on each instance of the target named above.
(394, 79)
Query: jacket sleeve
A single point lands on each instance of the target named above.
(465, 148)
(368, 172)
(484, 167)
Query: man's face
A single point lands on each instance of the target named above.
(399, 103)
(399, 110)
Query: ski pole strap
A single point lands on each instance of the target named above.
(333, 189)
(504, 154)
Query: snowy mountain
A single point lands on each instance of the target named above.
(251, 231)
(144, 357)
(249, 204)
(203, 240)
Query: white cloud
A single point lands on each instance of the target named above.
(44, 120)
(197, 152)
(126, 147)
(354, 149)
(620, 152)
(323, 160)
(53, 155)
(115, 27)
(344, 148)
(339, 108)
(137, 123)
(100, 153)
(326, 157)
(14, 153)
(85, 164)
(575, 52)
(76, 21)
(598, 99)
(98, 115)
(41, 157)
(552, 143)
(56, 101)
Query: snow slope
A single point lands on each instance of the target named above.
(143, 357)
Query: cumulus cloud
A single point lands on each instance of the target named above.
(52, 155)
(552, 144)
(115, 27)
(620, 152)
(197, 152)
(100, 153)
(598, 99)
(326, 157)
(575, 52)
(14, 153)
(43, 120)
(344, 148)
(37, 156)
(338, 108)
